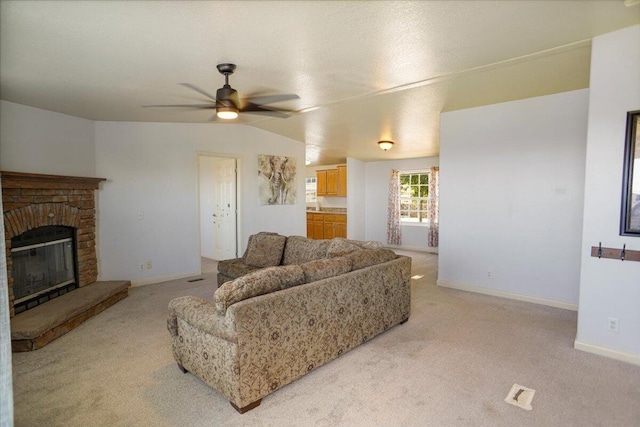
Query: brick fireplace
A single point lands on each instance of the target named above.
(31, 201)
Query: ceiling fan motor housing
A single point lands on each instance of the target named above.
(228, 97)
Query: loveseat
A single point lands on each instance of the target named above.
(273, 325)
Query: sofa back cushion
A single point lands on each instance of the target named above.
(339, 247)
(299, 250)
(367, 244)
(265, 250)
(323, 268)
(259, 282)
(366, 257)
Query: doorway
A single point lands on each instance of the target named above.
(218, 199)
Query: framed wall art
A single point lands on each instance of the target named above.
(277, 180)
(630, 211)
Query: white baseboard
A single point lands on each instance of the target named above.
(607, 352)
(160, 279)
(509, 295)
(413, 248)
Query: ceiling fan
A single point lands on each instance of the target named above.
(228, 104)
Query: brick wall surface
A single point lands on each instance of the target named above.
(28, 208)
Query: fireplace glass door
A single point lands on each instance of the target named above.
(42, 270)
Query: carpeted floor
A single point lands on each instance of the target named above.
(453, 363)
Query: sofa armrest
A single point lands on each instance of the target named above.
(199, 314)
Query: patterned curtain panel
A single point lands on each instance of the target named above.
(393, 216)
(432, 208)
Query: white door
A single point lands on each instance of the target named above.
(224, 209)
(207, 191)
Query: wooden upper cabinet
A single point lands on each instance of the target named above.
(342, 181)
(321, 182)
(332, 182)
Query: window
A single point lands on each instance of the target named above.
(414, 196)
(311, 190)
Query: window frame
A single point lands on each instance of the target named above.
(405, 218)
(309, 180)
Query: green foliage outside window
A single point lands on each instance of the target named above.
(414, 194)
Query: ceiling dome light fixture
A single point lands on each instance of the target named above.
(385, 145)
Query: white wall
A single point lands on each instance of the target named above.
(356, 201)
(39, 141)
(152, 168)
(609, 288)
(376, 191)
(511, 198)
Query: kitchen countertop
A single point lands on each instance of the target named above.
(328, 210)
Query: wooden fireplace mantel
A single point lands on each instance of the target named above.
(35, 180)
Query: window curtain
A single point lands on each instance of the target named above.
(432, 208)
(393, 208)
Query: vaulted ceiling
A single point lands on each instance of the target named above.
(364, 71)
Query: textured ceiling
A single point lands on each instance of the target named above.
(364, 71)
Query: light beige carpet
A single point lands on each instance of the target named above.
(451, 365)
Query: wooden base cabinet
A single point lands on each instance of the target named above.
(341, 226)
(326, 225)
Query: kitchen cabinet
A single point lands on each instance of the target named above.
(309, 226)
(321, 183)
(318, 226)
(329, 226)
(342, 181)
(341, 226)
(326, 225)
(332, 182)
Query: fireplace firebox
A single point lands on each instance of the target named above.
(44, 265)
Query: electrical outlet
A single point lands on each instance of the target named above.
(148, 265)
(614, 324)
(142, 267)
(489, 274)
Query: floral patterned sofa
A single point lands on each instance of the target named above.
(275, 324)
(271, 249)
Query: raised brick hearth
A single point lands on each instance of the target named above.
(34, 200)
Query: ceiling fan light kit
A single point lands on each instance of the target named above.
(385, 145)
(226, 112)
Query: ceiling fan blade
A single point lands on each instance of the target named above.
(200, 91)
(205, 106)
(264, 111)
(269, 99)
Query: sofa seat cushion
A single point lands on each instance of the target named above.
(264, 281)
(323, 268)
(299, 250)
(235, 267)
(265, 250)
(366, 257)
